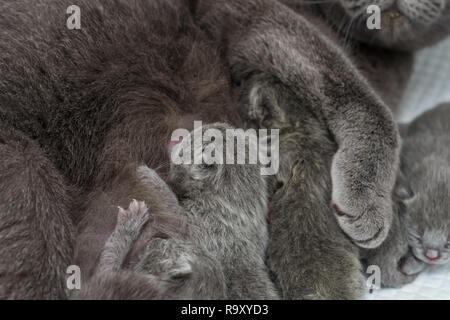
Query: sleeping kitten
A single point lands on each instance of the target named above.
(304, 235)
(426, 166)
(147, 254)
(421, 233)
(229, 204)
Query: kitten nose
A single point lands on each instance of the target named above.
(432, 254)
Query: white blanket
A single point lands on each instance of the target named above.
(429, 86)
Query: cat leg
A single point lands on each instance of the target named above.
(118, 245)
(35, 228)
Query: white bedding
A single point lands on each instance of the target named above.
(429, 86)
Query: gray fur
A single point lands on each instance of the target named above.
(308, 252)
(422, 193)
(406, 25)
(36, 232)
(266, 37)
(229, 203)
(426, 166)
(385, 57)
(76, 108)
(167, 266)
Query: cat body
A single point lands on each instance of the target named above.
(420, 235)
(145, 253)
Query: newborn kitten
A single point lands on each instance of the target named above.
(421, 232)
(167, 269)
(308, 253)
(146, 255)
(425, 162)
(229, 203)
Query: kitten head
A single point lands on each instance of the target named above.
(427, 205)
(235, 178)
(405, 24)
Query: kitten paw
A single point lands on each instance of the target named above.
(134, 218)
(362, 199)
(410, 266)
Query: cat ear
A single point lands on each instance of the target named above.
(403, 191)
(180, 270)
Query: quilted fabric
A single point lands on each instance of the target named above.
(429, 86)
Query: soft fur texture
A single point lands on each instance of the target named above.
(229, 203)
(309, 254)
(426, 166)
(405, 24)
(263, 37)
(386, 56)
(283, 64)
(145, 253)
(422, 193)
(77, 106)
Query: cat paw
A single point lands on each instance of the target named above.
(134, 218)
(361, 198)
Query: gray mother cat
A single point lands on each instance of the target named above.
(385, 56)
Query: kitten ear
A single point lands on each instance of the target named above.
(403, 191)
(180, 271)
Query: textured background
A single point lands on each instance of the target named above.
(429, 86)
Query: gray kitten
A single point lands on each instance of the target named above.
(421, 233)
(406, 25)
(426, 166)
(229, 203)
(308, 252)
(147, 254)
(167, 269)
